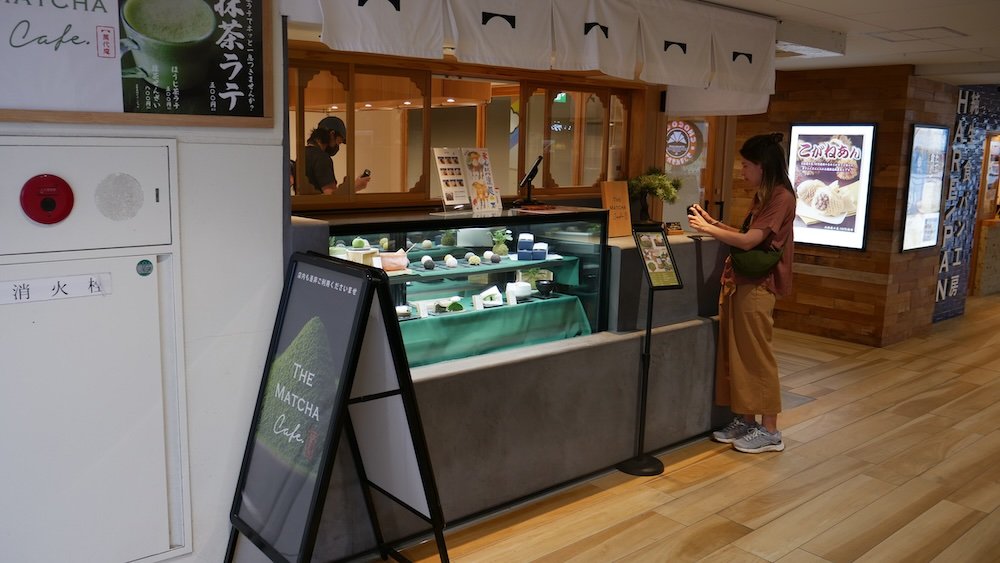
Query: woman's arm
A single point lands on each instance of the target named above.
(702, 222)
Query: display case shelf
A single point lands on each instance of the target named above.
(416, 272)
(577, 249)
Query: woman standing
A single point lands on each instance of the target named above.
(746, 372)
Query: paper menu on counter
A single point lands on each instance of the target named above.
(449, 167)
(467, 178)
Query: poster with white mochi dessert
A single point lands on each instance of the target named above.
(830, 169)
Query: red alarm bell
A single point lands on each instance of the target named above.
(46, 199)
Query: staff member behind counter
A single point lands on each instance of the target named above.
(324, 142)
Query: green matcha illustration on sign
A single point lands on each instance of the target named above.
(301, 389)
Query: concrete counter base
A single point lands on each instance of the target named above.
(503, 426)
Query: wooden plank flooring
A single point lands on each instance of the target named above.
(895, 456)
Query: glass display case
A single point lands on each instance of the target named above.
(465, 285)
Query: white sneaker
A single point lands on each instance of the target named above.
(732, 431)
(758, 440)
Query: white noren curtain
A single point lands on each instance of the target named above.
(408, 28)
(596, 35)
(510, 33)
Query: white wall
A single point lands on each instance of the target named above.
(230, 190)
(232, 254)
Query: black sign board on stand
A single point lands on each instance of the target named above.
(661, 273)
(336, 367)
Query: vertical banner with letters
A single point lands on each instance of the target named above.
(978, 114)
(178, 57)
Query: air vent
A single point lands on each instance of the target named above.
(793, 39)
(786, 49)
(917, 34)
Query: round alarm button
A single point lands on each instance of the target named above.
(46, 199)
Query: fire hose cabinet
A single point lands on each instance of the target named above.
(92, 414)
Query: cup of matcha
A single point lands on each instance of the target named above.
(169, 41)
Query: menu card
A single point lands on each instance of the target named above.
(467, 178)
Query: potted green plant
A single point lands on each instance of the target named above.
(653, 183)
(500, 238)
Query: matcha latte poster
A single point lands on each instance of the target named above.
(183, 57)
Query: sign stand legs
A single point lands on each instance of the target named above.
(642, 464)
(366, 491)
(231, 545)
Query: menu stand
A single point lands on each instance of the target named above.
(661, 273)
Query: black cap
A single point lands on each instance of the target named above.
(335, 125)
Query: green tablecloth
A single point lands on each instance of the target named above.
(470, 333)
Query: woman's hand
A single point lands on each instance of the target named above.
(699, 219)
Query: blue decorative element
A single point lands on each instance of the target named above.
(978, 113)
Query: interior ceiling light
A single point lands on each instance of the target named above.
(407, 102)
(450, 100)
(368, 105)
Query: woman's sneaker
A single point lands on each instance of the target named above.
(758, 440)
(732, 431)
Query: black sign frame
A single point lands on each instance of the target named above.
(363, 381)
(336, 423)
(655, 278)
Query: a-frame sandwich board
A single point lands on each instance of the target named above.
(336, 366)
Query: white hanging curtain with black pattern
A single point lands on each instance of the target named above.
(408, 28)
(675, 42)
(595, 35)
(510, 33)
(685, 101)
(743, 51)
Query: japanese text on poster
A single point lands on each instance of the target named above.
(829, 166)
(183, 57)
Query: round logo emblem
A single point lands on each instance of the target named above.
(144, 268)
(683, 143)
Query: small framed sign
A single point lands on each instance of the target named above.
(614, 198)
(657, 257)
(922, 217)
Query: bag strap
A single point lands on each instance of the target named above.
(746, 227)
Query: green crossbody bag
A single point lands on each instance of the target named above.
(756, 262)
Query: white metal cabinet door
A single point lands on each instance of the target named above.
(121, 196)
(82, 462)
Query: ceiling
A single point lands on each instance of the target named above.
(953, 41)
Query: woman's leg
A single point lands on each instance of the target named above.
(770, 422)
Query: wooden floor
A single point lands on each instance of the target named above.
(892, 454)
